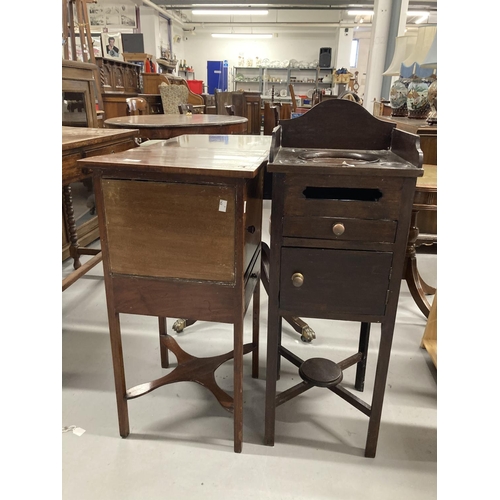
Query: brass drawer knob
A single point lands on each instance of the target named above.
(297, 279)
(338, 229)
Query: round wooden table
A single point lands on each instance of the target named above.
(162, 126)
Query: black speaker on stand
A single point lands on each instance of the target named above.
(325, 57)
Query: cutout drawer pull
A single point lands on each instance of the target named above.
(338, 229)
(297, 279)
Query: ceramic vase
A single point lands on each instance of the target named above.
(398, 98)
(417, 100)
(432, 98)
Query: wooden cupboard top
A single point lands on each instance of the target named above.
(209, 155)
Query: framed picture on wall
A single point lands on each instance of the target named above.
(96, 44)
(116, 15)
(112, 47)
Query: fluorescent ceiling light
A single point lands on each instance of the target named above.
(242, 35)
(420, 20)
(360, 12)
(410, 13)
(226, 12)
(417, 13)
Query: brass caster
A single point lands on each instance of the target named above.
(308, 334)
(179, 325)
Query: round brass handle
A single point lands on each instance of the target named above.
(297, 279)
(338, 229)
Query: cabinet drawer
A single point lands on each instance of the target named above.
(362, 197)
(341, 282)
(340, 229)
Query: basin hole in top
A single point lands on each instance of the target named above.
(339, 157)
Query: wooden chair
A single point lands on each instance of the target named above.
(172, 96)
(184, 109)
(137, 106)
(295, 109)
(271, 117)
(349, 95)
(152, 81)
(222, 99)
(285, 111)
(229, 109)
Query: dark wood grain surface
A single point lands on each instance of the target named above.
(210, 155)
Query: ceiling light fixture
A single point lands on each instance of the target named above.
(226, 12)
(410, 13)
(360, 13)
(420, 20)
(242, 35)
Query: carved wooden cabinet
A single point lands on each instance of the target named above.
(119, 80)
(118, 76)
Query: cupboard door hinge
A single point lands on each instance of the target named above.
(387, 295)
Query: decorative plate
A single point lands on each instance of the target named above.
(283, 93)
(310, 93)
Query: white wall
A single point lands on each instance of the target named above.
(285, 46)
(302, 44)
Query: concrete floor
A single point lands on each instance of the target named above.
(181, 440)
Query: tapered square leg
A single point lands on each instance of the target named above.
(273, 329)
(119, 373)
(386, 335)
(256, 330)
(238, 385)
(364, 338)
